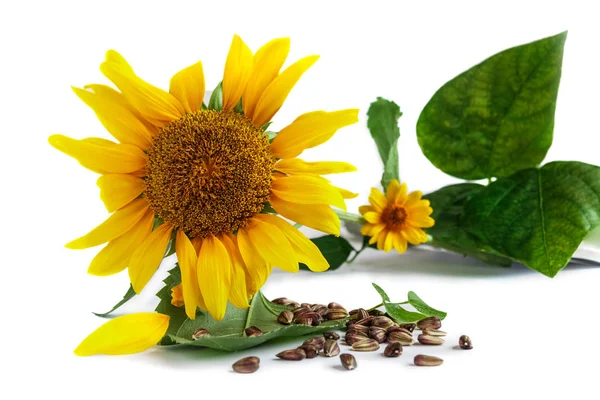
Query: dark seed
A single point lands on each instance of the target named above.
(337, 313)
(292, 355)
(408, 327)
(348, 361)
(465, 342)
(427, 361)
(382, 322)
(280, 300)
(331, 335)
(333, 304)
(285, 317)
(253, 331)
(318, 342)
(246, 365)
(366, 345)
(400, 337)
(353, 312)
(331, 348)
(429, 323)
(309, 350)
(362, 314)
(393, 350)
(198, 333)
(365, 321)
(398, 329)
(376, 313)
(378, 334)
(430, 340)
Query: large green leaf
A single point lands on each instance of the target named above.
(497, 117)
(335, 249)
(382, 122)
(447, 233)
(538, 216)
(228, 334)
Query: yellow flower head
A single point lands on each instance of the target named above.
(209, 179)
(397, 218)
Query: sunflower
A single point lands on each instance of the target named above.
(210, 182)
(395, 219)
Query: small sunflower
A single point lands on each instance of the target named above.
(208, 180)
(395, 220)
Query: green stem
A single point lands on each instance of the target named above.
(373, 308)
(350, 217)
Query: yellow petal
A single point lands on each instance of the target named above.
(257, 270)
(365, 209)
(310, 130)
(238, 294)
(214, 276)
(372, 217)
(372, 229)
(238, 69)
(115, 256)
(295, 166)
(381, 238)
(187, 259)
(377, 200)
(388, 243)
(118, 120)
(116, 225)
(148, 256)
(118, 190)
(272, 245)
(306, 189)
(149, 100)
(396, 192)
(316, 216)
(188, 87)
(346, 194)
(306, 251)
(414, 200)
(128, 334)
(113, 57)
(268, 60)
(100, 155)
(400, 243)
(275, 94)
(414, 235)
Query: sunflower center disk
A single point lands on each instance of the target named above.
(209, 172)
(394, 216)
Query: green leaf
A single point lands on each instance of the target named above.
(401, 315)
(382, 293)
(228, 334)
(382, 122)
(128, 296)
(538, 216)
(448, 233)
(497, 117)
(421, 306)
(216, 98)
(335, 249)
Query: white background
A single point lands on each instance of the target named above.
(534, 337)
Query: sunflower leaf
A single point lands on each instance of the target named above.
(401, 315)
(448, 233)
(382, 122)
(335, 249)
(130, 294)
(497, 117)
(537, 216)
(228, 334)
(422, 307)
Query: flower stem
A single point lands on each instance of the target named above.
(350, 217)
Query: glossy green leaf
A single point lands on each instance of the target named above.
(422, 307)
(128, 296)
(382, 122)
(537, 216)
(382, 293)
(396, 311)
(216, 98)
(497, 117)
(448, 233)
(228, 334)
(335, 249)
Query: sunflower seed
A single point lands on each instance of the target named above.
(430, 340)
(378, 334)
(331, 335)
(398, 329)
(253, 331)
(465, 342)
(333, 305)
(310, 350)
(365, 345)
(285, 317)
(382, 322)
(434, 332)
(393, 350)
(348, 361)
(429, 323)
(337, 313)
(292, 355)
(317, 341)
(365, 321)
(331, 348)
(198, 333)
(246, 365)
(400, 337)
(408, 327)
(423, 360)
(362, 314)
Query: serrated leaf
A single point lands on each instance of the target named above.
(228, 334)
(382, 122)
(448, 233)
(216, 98)
(537, 216)
(497, 117)
(422, 307)
(128, 296)
(335, 249)
(382, 293)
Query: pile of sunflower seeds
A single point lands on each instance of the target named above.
(366, 331)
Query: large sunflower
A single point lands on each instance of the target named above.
(208, 180)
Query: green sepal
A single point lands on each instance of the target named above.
(216, 98)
